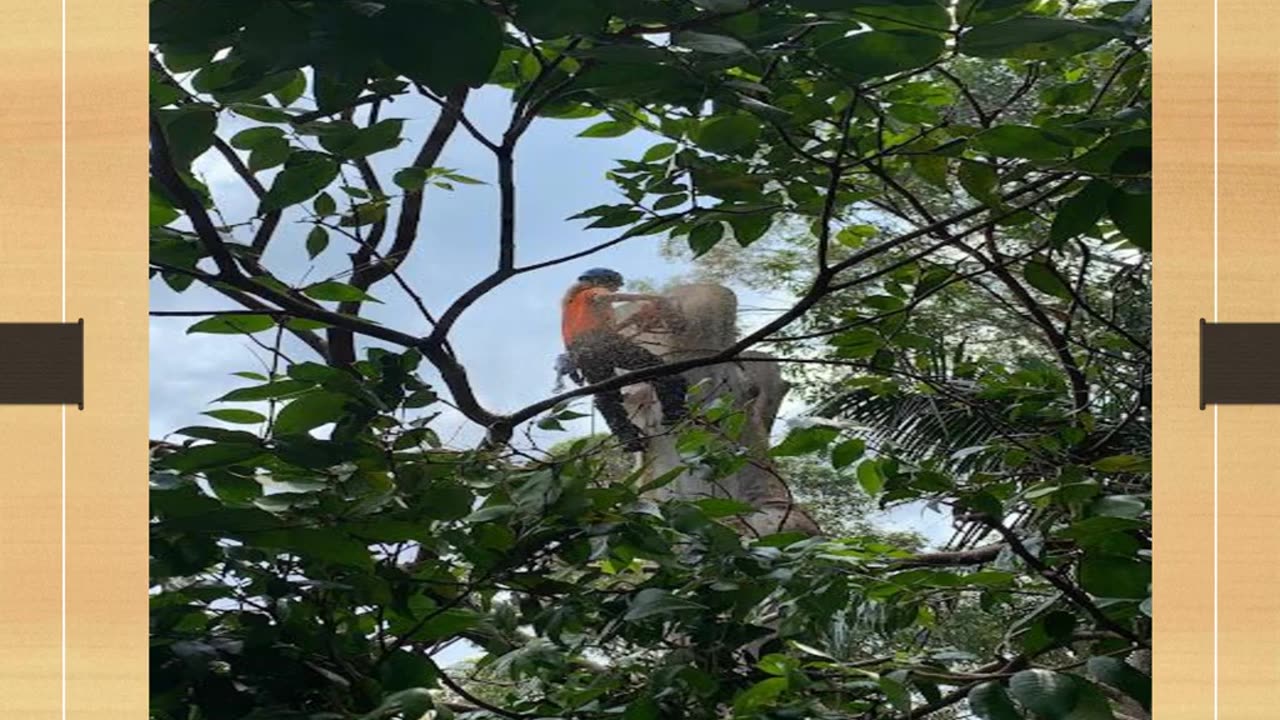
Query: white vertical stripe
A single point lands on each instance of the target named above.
(63, 499)
(1215, 319)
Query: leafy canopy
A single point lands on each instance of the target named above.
(956, 195)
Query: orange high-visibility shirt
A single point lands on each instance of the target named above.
(583, 315)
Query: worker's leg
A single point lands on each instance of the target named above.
(671, 389)
(595, 361)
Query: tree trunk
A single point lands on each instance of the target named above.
(708, 315)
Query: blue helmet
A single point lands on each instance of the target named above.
(603, 276)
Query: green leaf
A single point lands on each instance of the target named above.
(979, 12)
(557, 18)
(338, 82)
(704, 237)
(654, 601)
(440, 43)
(725, 6)
(1042, 276)
(896, 693)
(233, 324)
(1123, 677)
(235, 489)
(749, 228)
(667, 202)
(160, 212)
(1118, 506)
(324, 205)
(878, 53)
(317, 241)
(980, 181)
(1079, 214)
(184, 59)
(361, 142)
(269, 154)
(266, 391)
(661, 151)
(713, 44)
(1109, 155)
(778, 665)
(305, 173)
(1053, 629)
(207, 457)
(643, 709)
(1033, 38)
(1114, 576)
(188, 131)
(760, 694)
(335, 291)
(1044, 692)
(931, 168)
(1021, 141)
(1123, 464)
(913, 15)
(447, 624)
(607, 129)
(405, 669)
(240, 417)
(1093, 531)
(989, 701)
(847, 452)
(449, 502)
(308, 412)
(253, 137)
(411, 178)
(366, 213)
(1076, 93)
(1091, 703)
(870, 477)
(261, 113)
(327, 545)
(1131, 214)
(729, 134)
(805, 440)
(290, 93)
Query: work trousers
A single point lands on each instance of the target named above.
(598, 355)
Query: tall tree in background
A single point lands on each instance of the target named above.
(961, 194)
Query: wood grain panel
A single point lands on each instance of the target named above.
(30, 291)
(1248, 290)
(107, 285)
(1183, 293)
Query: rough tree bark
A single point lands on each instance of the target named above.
(709, 325)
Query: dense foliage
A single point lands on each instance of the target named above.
(955, 197)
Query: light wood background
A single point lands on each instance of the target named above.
(106, 284)
(1249, 290)
(1183, 645)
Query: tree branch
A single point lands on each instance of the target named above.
(341, 340)
(163, 169)
(1078, 596)
(817, 290)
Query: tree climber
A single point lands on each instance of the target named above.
(597, 349)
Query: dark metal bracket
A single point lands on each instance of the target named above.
(42, 364)
(1239, 363)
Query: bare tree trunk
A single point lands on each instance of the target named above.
(709, 315)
